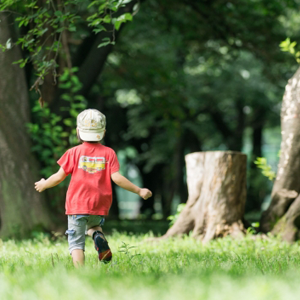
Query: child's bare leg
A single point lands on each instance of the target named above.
(93, 229)
(78, 257)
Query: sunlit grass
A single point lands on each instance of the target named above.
(172, 269)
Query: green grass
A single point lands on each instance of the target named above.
(172, 269)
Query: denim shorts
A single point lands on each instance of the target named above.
(77, 229)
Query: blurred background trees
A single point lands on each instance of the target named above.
(182, 76)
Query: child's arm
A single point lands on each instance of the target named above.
(124, 183)
(52, 181)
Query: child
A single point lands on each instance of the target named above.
(89, 195)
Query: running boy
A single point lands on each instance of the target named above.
(89, 195)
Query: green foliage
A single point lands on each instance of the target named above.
(175, 84)
(45, 23)
(253, 229)
(97, 19)
(127, 249)
(47, 138)
(224, 269)
(255, 224)
(267, 171)
(288, 46)
(171, 84)
(51, 134)
(173, 218)
(187, 86)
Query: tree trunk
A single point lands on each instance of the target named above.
(152, 180)
(283, 208)
(217, 194)
(21, 207)
(233, 138)
(257, 183)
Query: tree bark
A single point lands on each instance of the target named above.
(217, 194)
(284, 204)
(21, 207)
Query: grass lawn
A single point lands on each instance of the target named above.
(173, 269)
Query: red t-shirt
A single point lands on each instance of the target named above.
(91, 166)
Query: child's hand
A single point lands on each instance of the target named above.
(40, 185)
(145, 193)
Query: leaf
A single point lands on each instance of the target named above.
(293, 44)
(18, 61)
(79, 98)
(96, 22)
(102, 7)
(72, 28)
(118, 25)
(21, 23)
(107, 19)
(67, 98)
(22, 65)
(66, 85)
(128, 17)
(92, 4)
(64, 134)
(284, 45)
(58, 13)
(68, 122)
(90, 18)
(103, 44)
(262, 164)
(73, 113)
(99, 28)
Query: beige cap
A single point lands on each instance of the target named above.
(91, 125)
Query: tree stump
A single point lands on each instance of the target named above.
(217, 194)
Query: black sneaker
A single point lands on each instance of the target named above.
(101, 245)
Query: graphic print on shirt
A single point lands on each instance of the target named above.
(91, 164)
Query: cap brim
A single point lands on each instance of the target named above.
(91, 136)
